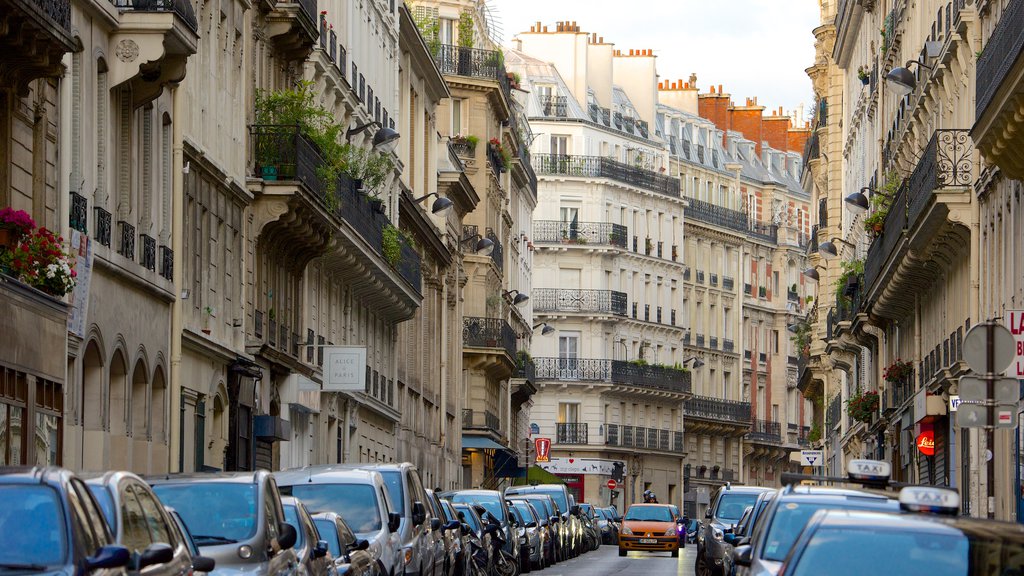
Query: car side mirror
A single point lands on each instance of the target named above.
(555, 519)
(321, 549)
(531, 524)
(452, 525)
(287, 536)
(359, 544)
(743, 555)
(108, 557)
(394, 521)
(729, 538)
(419, 513)
(157, 553)
(203, 564)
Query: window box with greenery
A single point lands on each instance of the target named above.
(464, 145)
(881, 201)
(801, 338)
(862, 406)
(851, 270)
(899, 371)
(863, 75)
(501, 153)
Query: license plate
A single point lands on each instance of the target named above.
(648, 541)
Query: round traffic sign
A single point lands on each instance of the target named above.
(612, 484)
(976, 348)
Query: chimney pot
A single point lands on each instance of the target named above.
(601, 40)
(686, 85)
(545, 29)
(712, 88)
(720, 89)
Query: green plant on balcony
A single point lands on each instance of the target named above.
(466, 39)
(469, 141)
(862, 74)
(862, 405)
(430, 29)
(898, 371)
(638, 362)
(801, 337)
(815, 434)
(391, 245)
(851, 269)
(880, 203)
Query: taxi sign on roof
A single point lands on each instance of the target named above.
(929, 499)
(869, 470)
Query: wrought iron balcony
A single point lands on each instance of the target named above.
(79, 217)
(792, 295)
(803, 437)
(571, 433)
(700, 276)
(700, 340)
(728, 345)
(715, 215)
(727, 283)
(1002, 51)
(583, 233)
(822, 213)
(474, 63)
(599, 167)
(575, 300)
(181, 8)
(713, 279)
(765, 431)
(642, 437)
(481, 419)
(526, 368)
(126, 247)
(148, 252)
(554, 106)
(763, 231)
(495, 161)
(614, 372)
(488, 333)
(708, 408)
(713, 342)
(167, 262)
(103, 226)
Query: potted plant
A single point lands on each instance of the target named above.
(898, 371)
(13, 225)
(391, 246)
(208, 314)
(815, 434)
(863, 75)
(862, 406)
(39, 260)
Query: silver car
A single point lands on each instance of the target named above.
(312, 550)
(531, 540)
(360, 497)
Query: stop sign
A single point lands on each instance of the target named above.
(612, 484)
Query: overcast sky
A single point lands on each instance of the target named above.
(751, 47)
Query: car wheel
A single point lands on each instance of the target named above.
(701, 566)
(622, 552)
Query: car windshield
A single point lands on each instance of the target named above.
(356, 503)
(186, 536)
(393, 480)
(32, 523)
(649, 514)
(469, 518)
(841, 552)
(731, 506)
(557, 495)
(543, 508)
(291, 516)
(329, 531)
(790, 518)
(214, 512)
(523, 509)
(491, 503)
(102, 496)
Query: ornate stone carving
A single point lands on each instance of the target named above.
(127, 50)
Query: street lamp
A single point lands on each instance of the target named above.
(441, 206)
(519, 297)
(484, 246)
(697, 362)
(547, 328)
(385, 140)
(828, 249)
(902, 80)
(812, 273)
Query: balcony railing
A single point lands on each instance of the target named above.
(767, 431)
(571, 433)
(167, 262)
(614, 372)
(728, 345)
(473, 63)
(79, 216)
(834, 411)
(642, 437)
(481, 419)
(716, 215)
(598, 167)
(126, 247)
(148, 252)
(1002, 50)
(708, 408)
(586, 233)
(103, 226)
(182, 8)
(574, 300)
(727, 283)
(489, 333)
(769, 232)
(554, 106)
(526, 368)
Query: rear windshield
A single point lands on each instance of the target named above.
(731, 506)
(356, 503)
(215, 512)
(790, 518)
(557, 495)
(649, 514)
(840, 551)
(524, 510)
(469, 518)
(32, 525)
(491, 503)
(328, 531)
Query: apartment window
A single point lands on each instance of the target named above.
(559, 145)
(544, 91)
(446, 29)
(568, 412)
(568, 346)
(569, 214)
(457, 107)
(775, 341)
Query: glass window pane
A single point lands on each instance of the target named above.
(158, 529)
(4, 434)
(47, 436)
(135, 534)
(32, 523)
(16, 415)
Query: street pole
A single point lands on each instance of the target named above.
(990, 432)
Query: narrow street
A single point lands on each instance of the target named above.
(606, 561)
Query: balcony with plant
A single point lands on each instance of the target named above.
(862, 406)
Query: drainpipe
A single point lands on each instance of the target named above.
(177, 228)
(443, 420)
(977, 453)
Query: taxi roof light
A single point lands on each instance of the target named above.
(869, 470)
(930, 499)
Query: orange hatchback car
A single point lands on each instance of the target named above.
(649, 528)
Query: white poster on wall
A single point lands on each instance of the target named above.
(614, 468)
(81, 250)
(344, 368)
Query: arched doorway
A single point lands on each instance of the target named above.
(158, 414)
(117, 410)
(140, 419)
(93, 407)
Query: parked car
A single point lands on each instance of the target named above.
(569, 531)
(529, 534)
(360, 497)
(200, 564)
(236, 518)
(545, 505)
(410, 502)
(481, 549)
(462, 554)
(741, 532)
(727, 505)
(497, 508)
(650, 528)
(350, 553)
(312, 550)
(608, 526)
(51, 523)
(591, 529)
(445, 533)
(139, 522)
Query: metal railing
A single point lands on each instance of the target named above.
(103, 226)
(126, 247)
(167, 262)
(497, 254)
(473, 63)
(597, 233)
(575, 300)
(727, 283)
(481, 419)
(708, 408)
(148, 252)
(614, 372)
(642, 437)
(598, 167)
(488, 333)
(78, 218)
(769, 232)
(768, 431)
(728, 345)
(716, 215)
(182, 8)
(571, 433)
(526, 368)
(495, 160)
(834, 411)
(948, 160)
(554, 106)
(1002, 50)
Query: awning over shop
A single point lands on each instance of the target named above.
(481, 443)
(537, 475)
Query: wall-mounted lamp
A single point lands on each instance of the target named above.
(828, 248)
(519, 297)
(545, 328)
(440, 207)
(859, 202)
(697, 362)
(812, 273)
(902, 80)
(484, 246)
(385, 140)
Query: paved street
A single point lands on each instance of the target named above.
(606, 561)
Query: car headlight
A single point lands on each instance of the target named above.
(408, 555)
(717, 534)
(670, 532)
(626, 530)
